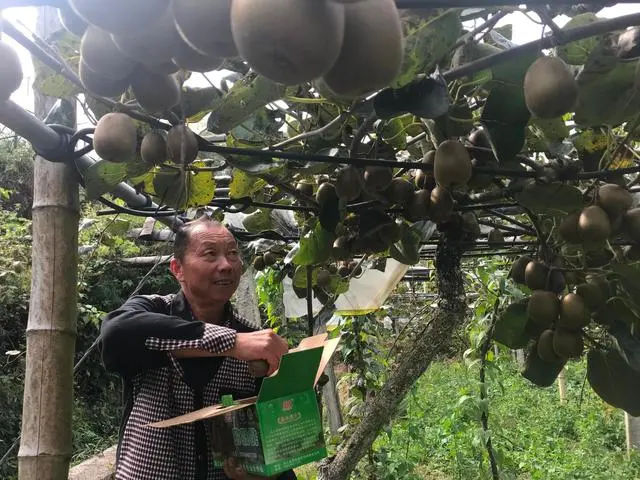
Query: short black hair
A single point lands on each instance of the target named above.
(183, 234)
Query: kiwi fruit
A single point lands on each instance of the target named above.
(348, 185)
(418, 207)
(614, 199)
(372, 51)
(155, 92)
(154, 149)
(543, 308)
(517, 272)
(71, 21)
(550, 89)
(594, 225)
(100, 86)
(539, 372)
(102, 56)
(557, 281)
(305, 189)
(399, 192)
(206, 26)
(452, 164)
(270, 259)
(341, 247)
(288, 41)
(567, 343)
(574, 313)
(479, 138)
(592, 296)
(153, 46)
(120, 16)
(115, 138)
(377, 179)
(631, 224)
(258, 263)
(546, 352)
(535, 275)
(323, 277)
(182, 144)
(188, 58)
(495, 236)
(11, 72)
(568, 228)
(326, 193)
(441, 204)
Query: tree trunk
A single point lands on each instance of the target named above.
(412, 362)
(45, 447)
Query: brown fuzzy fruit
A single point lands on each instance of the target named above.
(518, 268)
(10, 72)
(441, 204)
(190, 59)
(614, 199)
(535, 275)
(631, 224)
(155, 92)
(546, 351)
(270, 259)
(567, 344)
(323, 278)
(258, 263)
(153, 148)
(377, 179)
(592, 295)
(348, 186)
(205, 26)
(452, 165)
(326, 193)
(288, 41)
(372, 51)
(182, 144)
(71, 21)
(543, 308)
(115, 138)
(550, 89)
(100, 86)
(102, 56)
(120, 16)
(574, 314)
(399, 191)
(418, 207)
(568, 228)
(594, 225)
(305, 189)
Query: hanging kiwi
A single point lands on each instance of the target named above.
(452, 164)
(288, 41)
(115, 138)
(258, 263)
(543, 308)
(574, 313)
(348, 186)
(182, 144)
(206, 25)
(631, 224)
(120, 16)
(614, 199)
(102, 56)
(550, 89)
(305, 189)
(535, 275)
(568, 228)
(377, 179)
(546, 352)
(326, 193)
(10, 72)
(594, 225)
(441, 204)
(190, 59)
(418, 207)
(153, 148)
(155, 92)
(101, 86)
(517, 272)
(399, 192)
(372, 51)
(567, 343)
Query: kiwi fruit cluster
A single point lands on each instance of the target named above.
(267, 259)
(11, 72)
(353, 48)
(550, 88)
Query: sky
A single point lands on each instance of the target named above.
(24, 18)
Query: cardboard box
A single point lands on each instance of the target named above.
(280, 429)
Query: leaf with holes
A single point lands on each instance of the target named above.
(315, 246)
(576, 53)
(614, 380)
(551, 199)
(179, 189)
(202, 187)
(407, 249)
(511, 327)
(102, 177)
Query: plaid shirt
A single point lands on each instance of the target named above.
(137, 340)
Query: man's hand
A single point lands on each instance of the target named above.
(261, 345)
(236, 472)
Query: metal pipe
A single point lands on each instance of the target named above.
(44, 138)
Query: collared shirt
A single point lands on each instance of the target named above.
(137, 341)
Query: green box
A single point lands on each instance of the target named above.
(280, 429)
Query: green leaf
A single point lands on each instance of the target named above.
(510, 329)
(118, 226)
(614, 380)
(576, 53)
(606, 91)
(258, 221)
(243, 185)
(551, 199)
(424, 97)
(50, 83)
(102, 177)
(426, 45)
(407, 250)
(315, 246)
(548, 131)
(260, 128)
(179, 189)
(255, 165)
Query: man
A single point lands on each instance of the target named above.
(179, 353)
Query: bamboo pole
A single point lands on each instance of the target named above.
(45, 446)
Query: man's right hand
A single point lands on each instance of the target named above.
(260, 345)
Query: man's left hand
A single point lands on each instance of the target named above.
(236, 472)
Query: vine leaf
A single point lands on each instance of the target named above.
(606, 91)
(258, 221)
(102, 177)
(425, 98)
(551, 199)
(628, 345)
(613, 380)
(630, 278)
(47, 81)
(576, 53)
(243, 185)
(407, 249)
(315, 246)
(511, 326)
(180, 189)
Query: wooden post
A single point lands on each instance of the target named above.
(45, 447)
(562, 386)
(632, 430)
(332, 400)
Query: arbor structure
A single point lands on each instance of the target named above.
(527, 151)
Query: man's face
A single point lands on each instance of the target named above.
(211, 268)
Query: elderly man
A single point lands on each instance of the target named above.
(181, 352)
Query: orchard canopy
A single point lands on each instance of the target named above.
(359, 134)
